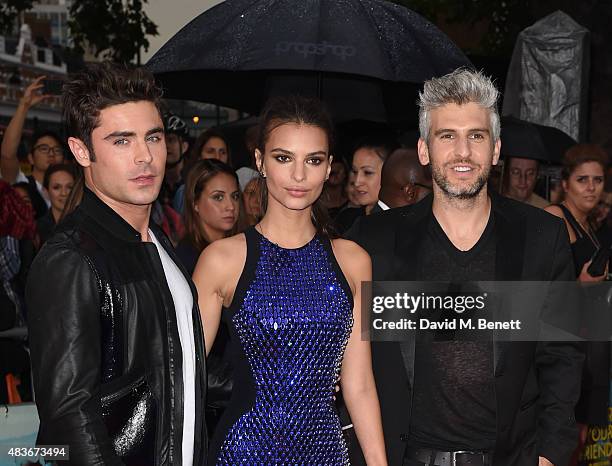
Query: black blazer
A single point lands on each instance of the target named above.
(536, 384)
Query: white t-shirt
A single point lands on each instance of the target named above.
(183, 306)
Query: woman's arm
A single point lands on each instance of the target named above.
(215, 277)
(357, 379)
(584, 276)
(9, 164)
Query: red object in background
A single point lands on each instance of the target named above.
(16, 217)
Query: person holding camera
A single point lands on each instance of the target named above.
(45, 149)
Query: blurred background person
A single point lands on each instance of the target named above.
(177, 145)
(555, 192)
(212, 212)
(334, 195)
(404, 180)
(246, 174)
(252, 197)
(45, 149)
(75, 196)
(211, 144)
(601, 218)
(351, 193)
(366, 169)
(17, 233)
(212, 208)
(520, 176)
(22, 189)
(583, 183)
(58, 182)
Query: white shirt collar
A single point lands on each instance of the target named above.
(382, 205)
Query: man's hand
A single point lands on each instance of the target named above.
(32, 96)
(544, 462)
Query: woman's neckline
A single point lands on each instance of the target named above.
(255, 227)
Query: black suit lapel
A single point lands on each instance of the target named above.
(408, 264)
(510, 247)
(509, 257)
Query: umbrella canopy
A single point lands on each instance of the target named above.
(532, 141)
(240, 52)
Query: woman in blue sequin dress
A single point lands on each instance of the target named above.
(291, 297)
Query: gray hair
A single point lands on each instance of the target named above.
(460, 87)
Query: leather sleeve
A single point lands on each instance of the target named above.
(64, 322)
(559, 369)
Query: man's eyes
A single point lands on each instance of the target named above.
(126, 141)
(477, 136)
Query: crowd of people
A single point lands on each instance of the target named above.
(180, 307)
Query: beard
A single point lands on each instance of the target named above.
(461, 192)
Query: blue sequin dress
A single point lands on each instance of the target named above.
(290, 321)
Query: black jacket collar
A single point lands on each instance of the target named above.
(107, 218)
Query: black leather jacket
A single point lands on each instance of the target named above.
(105, 348)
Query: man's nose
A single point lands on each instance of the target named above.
(142, 153)
(462, 146)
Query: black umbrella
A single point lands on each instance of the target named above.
(357, 55)
(532, 141)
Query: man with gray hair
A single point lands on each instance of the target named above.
(484, 402)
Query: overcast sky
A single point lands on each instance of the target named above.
(170, 16)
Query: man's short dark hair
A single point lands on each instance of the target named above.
(100, 86)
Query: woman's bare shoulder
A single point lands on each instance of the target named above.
(353, 260)
(350, 251)
(555, 210)
(224, 254)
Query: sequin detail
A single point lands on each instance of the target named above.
(293, 325)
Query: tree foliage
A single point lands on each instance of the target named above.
(9, 12)
(111, 29)
(506, 18)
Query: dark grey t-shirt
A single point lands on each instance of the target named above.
(453, 405)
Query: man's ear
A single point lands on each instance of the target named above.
(423, 152)
(80, 151)
(410, 191)
(184, 147)
(496, 151)
(30, 159)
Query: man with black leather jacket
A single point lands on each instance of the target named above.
(115, 331)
